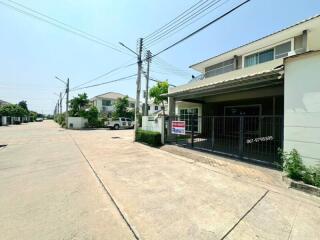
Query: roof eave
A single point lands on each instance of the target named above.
(273, 74)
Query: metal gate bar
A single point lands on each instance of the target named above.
(246, 137)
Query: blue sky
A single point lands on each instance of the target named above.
(33, 52)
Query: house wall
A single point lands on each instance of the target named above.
(108, 109)
(98, 104)
(302, 106)
(313, 31)
(313, 37)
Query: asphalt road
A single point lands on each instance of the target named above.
(98, 184)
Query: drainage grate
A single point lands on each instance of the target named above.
(115, 137)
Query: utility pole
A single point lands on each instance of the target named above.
(138, 83)
(67, 104)
(148, 58)
(60, 103)
(137, 107)
(67, 100)
(55, 111)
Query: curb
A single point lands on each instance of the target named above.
(301, 186)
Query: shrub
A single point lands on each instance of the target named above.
(292, 164)
(92, 115)
(60, 119)
(295, 169)
(150, 137)
(311, 176)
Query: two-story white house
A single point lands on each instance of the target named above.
(254, 99)
(105, 102)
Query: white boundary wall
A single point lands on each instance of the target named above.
(152, 123)
(4, 121)
(77, 122)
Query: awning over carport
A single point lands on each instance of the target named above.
(268, 78)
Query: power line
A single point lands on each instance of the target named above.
(179, 73)
(180, 28)
(115, 80)
(202, 28)
(161, 63)
(104, 74)
(61, 25)
(175, 19)
(182, 22)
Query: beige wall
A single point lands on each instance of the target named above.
(313, 40)
(302, 106)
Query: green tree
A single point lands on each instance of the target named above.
(13, 110)
(24, 105)
(78, 105)
(6, 110)
(33, 115)
(92, 114)
(156, 92)
(121, 107)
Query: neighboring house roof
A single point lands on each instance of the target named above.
(194, 66)
(3, 102)
(112, 96)
(234, 82)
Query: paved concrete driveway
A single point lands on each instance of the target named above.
(47, 190)
(57, 184)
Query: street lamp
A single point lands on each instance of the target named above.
(60, 80)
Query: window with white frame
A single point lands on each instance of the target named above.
(186, 115)
(278, 51)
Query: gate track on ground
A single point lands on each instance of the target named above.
(107, 191)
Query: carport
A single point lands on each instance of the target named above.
(241, 117)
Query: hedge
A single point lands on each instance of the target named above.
(150, 137)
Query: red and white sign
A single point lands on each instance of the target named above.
(178, 127)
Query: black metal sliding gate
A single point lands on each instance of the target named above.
(255, 138)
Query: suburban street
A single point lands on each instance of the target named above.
(98, 184)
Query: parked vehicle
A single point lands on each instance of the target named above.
(39, 119)
(120, 123)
